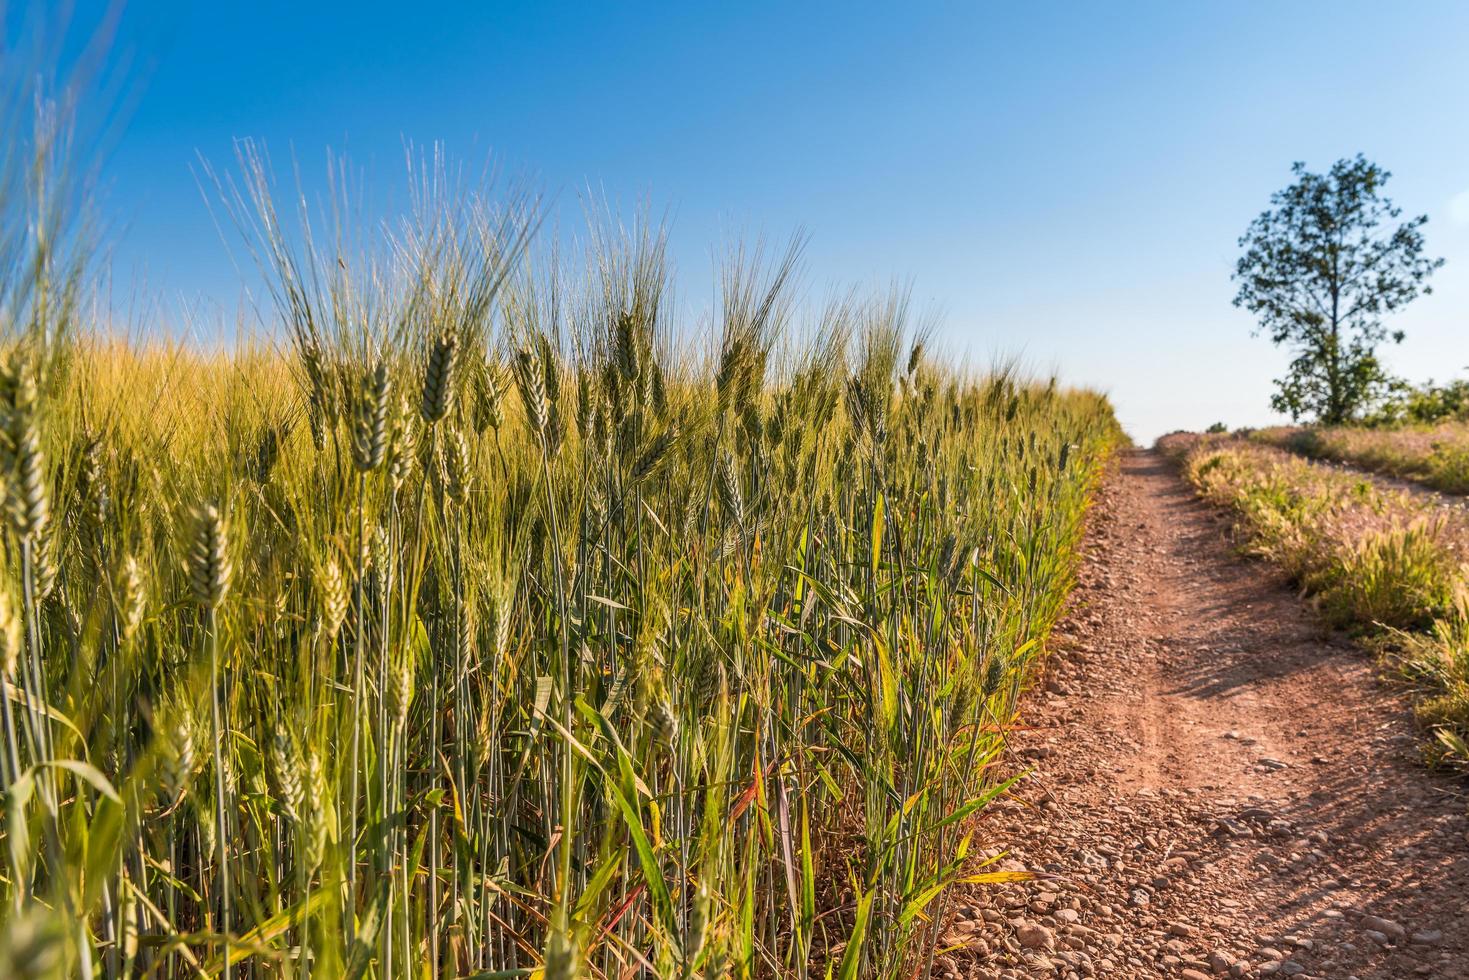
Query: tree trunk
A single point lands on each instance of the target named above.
(1336, 397)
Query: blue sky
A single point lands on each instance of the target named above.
(1063, 181)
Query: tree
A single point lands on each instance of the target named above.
(1320, 270)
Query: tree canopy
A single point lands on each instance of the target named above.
(1320, 270)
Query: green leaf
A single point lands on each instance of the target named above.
(542, 701)
(273, 928)
(88, 772)
(19, 697)
(917, 903)
(877, 521)
(852, 955)
(632, 818)
(104, 849)
(887, 681)
(17, 827)
(592, 893)
(808, 871)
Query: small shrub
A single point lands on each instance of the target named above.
(1307, 442)
(1400, 577)
(1448, 467)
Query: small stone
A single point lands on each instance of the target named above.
(1182, 929)
(1033, 935)
(1387, 927)
(1428, 937)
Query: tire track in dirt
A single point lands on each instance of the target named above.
(1219, 786)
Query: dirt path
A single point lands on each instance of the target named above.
(1220, 787)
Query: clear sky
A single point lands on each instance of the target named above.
(1064, 181)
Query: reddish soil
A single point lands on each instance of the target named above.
(1219, 785)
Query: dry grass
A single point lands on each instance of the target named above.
(1437, 456)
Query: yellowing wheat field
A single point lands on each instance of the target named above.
(490, 626)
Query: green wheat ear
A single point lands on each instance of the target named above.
(316, 809)
(178, 743)
(731, 498)
(321, 392)
(489, 413)
(530, 377)
(25, 465)
(402, 444)
(438, 379)
(209, 560)
(457, 475)
(132, 599)
(370, 428)
(332, 598)
(400, 691)
(286, 770)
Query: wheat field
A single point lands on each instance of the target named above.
(484, 621)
